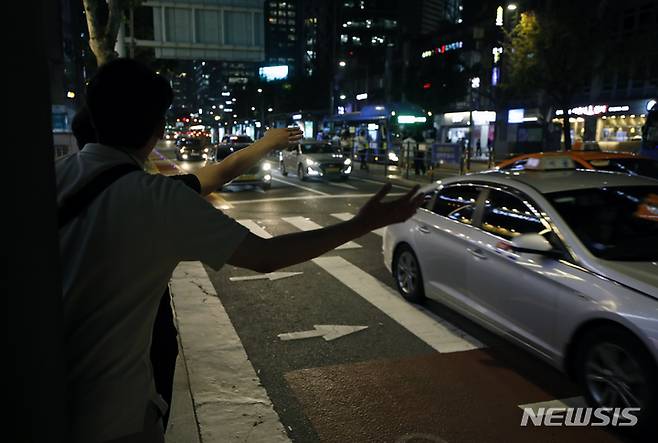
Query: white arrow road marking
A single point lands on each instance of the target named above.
(305, 224)
(255, 228)
(344, 216)
(271, 276)
(433, 330)
(571, 402)
(328, 332)
(341, 185)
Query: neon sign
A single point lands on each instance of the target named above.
(442, 49)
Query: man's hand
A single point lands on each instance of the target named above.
(377, 214)
(279, 138)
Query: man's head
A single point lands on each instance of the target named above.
(127, 103)
(83, 129)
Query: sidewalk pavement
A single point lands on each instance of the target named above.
(409, 179)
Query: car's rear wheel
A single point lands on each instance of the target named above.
(300, 172)
(408, 277)
(283, 169)
(266, 186)
(616, 371)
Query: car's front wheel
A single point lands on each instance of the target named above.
(616, 371)
(408, 277)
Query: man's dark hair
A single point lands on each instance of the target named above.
(83, 129)
(127, 102)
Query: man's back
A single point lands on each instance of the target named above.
(116, 258)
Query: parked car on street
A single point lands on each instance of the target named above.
(564, 263)
(315, 159)
(625, 162)
(192, 149)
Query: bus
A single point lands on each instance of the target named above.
(382, 126)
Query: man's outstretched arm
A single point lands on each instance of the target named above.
(268, 255)
(213, 176)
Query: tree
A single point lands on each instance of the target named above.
(103, 21)
(553, 51)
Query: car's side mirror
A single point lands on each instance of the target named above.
(533, 244)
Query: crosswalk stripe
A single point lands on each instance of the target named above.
(344, 216)
(433, 330)
(305, 188)
(305, 224)
(341, 185)
(254, 227)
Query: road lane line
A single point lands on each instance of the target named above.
(230, 402)
(305, 224)
(254, 227)
(381, 183)
(306, 188)
(341, 185)
(433, 330)
(308, 197)
(344, 216)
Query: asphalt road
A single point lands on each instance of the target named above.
(413, 374)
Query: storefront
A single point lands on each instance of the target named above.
(474, 128)
(614, 126)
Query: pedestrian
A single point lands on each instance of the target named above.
(117, 252)
(419, 161)
(409, 148)
(478, 148)
(362, 148)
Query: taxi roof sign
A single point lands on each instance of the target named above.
(550, 163)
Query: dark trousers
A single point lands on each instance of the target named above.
(164, 351)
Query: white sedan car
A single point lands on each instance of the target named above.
(564, 263)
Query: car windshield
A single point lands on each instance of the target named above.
(222, 153)
(238, 139)
(616, 223)
(318, 149)
(633, 166)
(191, 143)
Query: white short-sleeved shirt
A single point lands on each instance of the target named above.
(116, 260)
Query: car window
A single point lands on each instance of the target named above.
(614, 223)
(505, 215)
(517, 165)
(457, 203)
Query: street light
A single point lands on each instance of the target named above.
(259, 90)
(270, 109)
(342, 63)
(343, 96)
(511, 7)
(253, 108)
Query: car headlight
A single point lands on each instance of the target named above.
(204, 156)
(206, 150)
(347, 162)
(184, 156)
(266, 166)
(392, 156)
(310, 162)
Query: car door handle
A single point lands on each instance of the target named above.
(424, 229)
(477, 253)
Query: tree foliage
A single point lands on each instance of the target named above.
(554, 51)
